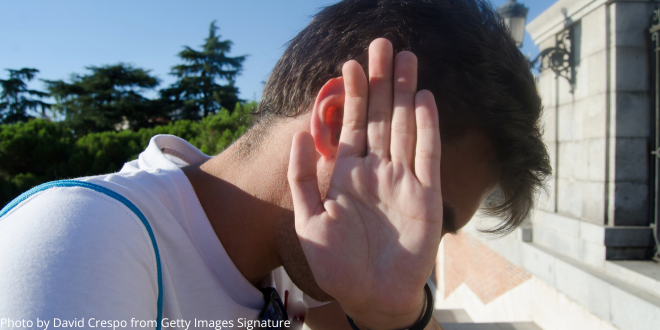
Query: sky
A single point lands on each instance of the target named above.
(60, 37)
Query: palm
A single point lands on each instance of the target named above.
(372, 241)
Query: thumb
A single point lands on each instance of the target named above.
(302, 179)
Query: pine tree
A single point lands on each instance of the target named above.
(16, 98)
(109, 98)
(197, 93)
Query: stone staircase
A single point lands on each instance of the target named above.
(458, 319)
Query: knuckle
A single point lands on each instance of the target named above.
(379, 116)
(379, 80)
(399, 161)
(402, 129)
(354, 123)
(378, 151)
(428, 125)
(427, 155)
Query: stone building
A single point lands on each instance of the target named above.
(584, 258)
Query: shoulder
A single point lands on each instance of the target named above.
(74, 245)
(65, 212)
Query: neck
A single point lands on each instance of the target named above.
(247, 199)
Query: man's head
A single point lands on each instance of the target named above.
(467, 59)
(488, 105)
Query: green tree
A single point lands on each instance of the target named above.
(31, 153)
(38, 151)
(16, 98)
(109, 98)
(218, 131)
(198, 93)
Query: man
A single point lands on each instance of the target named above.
(342, 180)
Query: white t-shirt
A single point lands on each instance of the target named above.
(70, 253)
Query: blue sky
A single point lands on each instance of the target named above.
(62, 37)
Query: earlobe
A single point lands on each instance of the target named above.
(327, 116)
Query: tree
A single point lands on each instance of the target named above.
(31, 153)
(38, 151)
(16, 98)
(197, 90)
(109, 98)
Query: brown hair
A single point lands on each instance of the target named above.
(467, 59)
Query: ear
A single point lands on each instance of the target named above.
(327, 117)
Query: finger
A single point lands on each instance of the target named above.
(352, 141)
(380, 97)
(428, 149)
(302, 179)
(402, 146)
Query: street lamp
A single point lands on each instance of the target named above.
(560, 58)
(514, 15)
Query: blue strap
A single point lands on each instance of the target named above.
(106, 191)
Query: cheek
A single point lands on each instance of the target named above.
(464, 186)
(465, 200)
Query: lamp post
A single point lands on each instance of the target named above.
(515, 16)
(560, 58)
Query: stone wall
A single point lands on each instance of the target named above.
(597, 126)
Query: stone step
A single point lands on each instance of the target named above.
(459, 319)
(491, 326)
(644, 275)
(452, 316)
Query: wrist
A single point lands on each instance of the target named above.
(388, 323)
(415, 320)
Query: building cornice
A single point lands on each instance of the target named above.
(559, 16)
(562, 14)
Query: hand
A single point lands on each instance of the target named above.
(372, 242)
